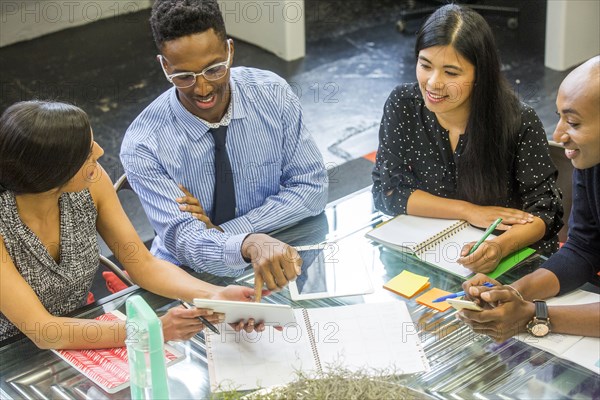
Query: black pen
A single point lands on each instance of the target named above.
(204, 320)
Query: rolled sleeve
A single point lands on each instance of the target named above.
(232, 255)
(237, 226)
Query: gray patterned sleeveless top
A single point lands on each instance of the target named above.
(61, 287)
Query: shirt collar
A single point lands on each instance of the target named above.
(223, 122)
(194, 127)
(239, 111)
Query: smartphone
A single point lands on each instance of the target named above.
(460, 304)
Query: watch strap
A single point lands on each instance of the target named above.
(541, 310)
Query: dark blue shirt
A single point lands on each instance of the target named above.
(578, 261)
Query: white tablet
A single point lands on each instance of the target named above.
(331, 269)
(235, 311)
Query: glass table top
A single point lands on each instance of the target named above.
(463, 364)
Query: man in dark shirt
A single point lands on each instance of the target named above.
(578, 261)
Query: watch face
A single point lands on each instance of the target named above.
(540, 330)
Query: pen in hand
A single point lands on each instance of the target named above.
(487, 233)
(201, 318)
(458, 294)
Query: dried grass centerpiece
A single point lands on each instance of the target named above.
(336, 384)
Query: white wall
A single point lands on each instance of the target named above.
(572, 32)
(27, 19)
(274, 25)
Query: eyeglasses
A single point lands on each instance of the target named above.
(211, 73)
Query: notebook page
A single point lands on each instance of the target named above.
(586, 353)
(406, 231)
(445, 253)
(373, 336)
(245, 361)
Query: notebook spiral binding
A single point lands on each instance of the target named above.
(311, 337)
(433, 241)
(424, 356)
(208, 345)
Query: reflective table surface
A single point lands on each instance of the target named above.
(463, 364)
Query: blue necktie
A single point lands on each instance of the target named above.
(224, 198)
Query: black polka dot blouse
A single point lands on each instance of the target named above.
(415, 153)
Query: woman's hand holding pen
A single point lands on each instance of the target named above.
(231, 293)
(181, 324)
(484, 259)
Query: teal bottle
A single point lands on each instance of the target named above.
(145, 351)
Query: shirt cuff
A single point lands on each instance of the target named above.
(232, 252)
(238, 226)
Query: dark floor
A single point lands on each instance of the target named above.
(354, 57)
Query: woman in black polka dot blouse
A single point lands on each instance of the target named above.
(458, 144)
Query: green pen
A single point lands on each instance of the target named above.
(487, 233)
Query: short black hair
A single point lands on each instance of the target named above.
(42, 145)
(172, 19)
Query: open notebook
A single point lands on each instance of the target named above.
(374, 336)
(108, 368)
(581, 350)
(438, 242)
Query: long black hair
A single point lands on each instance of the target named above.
(42, 145)
(494, 116)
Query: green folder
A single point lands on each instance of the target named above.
(510, 261)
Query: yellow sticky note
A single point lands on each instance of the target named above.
(427, 299)
(407, 284)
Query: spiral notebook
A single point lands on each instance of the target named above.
(373, 336)
(438, 242)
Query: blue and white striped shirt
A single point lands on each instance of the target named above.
(279, 175)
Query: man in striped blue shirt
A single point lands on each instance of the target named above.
(278, 173)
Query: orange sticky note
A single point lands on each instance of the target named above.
(407, 284)
(427, 299)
